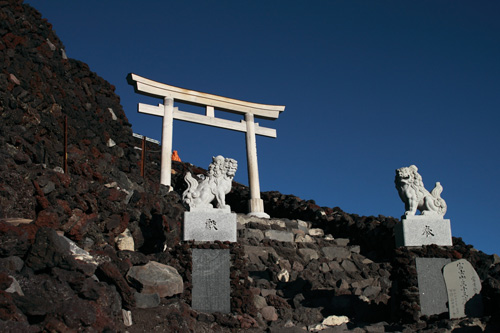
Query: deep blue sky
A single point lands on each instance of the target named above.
(369, 86)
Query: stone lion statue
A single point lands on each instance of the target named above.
(413, 193)
(202, 191)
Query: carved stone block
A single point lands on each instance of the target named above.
(211, 285)
(210, 225)
(431, 286)
(421, 230)
(464, 289)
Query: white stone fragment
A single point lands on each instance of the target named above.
(364, 298)
(129, 195)
(304, 224)
(14, 79)
(127, 317)
(17, 221)
(335, 320)
(317, 328)
(111, 143)
(304, 239)
(59, 169)
(52, 46)
(113, 115)
(79, 253)
(284, 276)
(14, 287)
(125, 241)
(277, 222)
(317, 232)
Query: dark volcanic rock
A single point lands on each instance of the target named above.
(13, 240)
(51, 250)
(109, 272)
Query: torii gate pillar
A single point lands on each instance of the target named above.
(249, 126)
(256, 204)
(166, 142)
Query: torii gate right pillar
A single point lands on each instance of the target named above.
(256, 204)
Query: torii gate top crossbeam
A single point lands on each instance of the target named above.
(157, 89)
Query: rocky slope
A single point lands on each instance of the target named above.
(290, 273)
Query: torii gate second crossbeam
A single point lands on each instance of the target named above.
(211, 102)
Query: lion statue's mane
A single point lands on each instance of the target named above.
(202, 191)
(414, 195)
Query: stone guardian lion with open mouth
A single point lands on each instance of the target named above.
(413, 193)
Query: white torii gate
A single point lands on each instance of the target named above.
(211, 102)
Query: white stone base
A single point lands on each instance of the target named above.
(422, 230)
(210, 225)
(261, 215)
(256, 208)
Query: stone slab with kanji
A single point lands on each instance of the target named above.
(421, 230)
(210, 225)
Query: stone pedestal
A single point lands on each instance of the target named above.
(211, 267)
(422, 230)
(211, 285)
(210, 225)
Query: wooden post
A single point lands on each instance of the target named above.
(65, 167)
(143, 156)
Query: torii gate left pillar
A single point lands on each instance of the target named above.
(168, 112)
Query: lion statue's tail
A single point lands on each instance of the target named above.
(438, 201)
(188, 194)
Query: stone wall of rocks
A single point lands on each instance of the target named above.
(375, 234)
(100, 198)
(301, 277)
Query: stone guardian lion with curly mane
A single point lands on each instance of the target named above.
(414, 195)
(201, 192)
